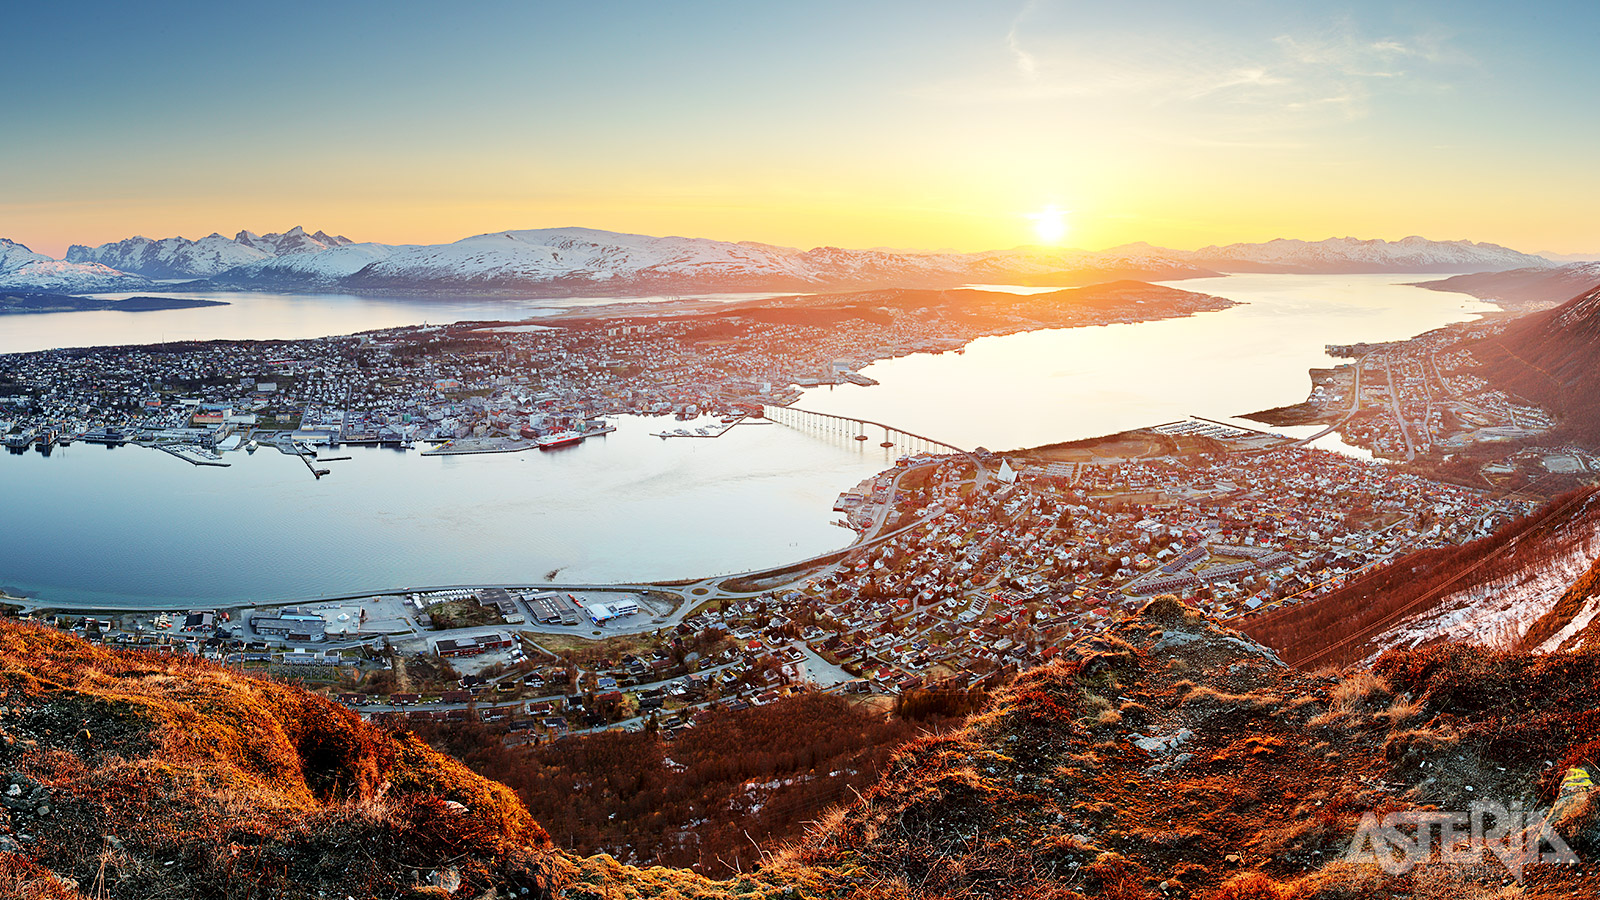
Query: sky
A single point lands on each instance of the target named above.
(916, 125)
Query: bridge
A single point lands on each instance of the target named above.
(864, 430)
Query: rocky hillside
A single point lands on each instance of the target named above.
(1552, 358)
(128, 775)
(1173, 758)
(1168, 757)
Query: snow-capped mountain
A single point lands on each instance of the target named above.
(1351, 255)
(23, 269)
(588, 261)
(556, 261)
(311, 269)
(178, 257)
(295, 240)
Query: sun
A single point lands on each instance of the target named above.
(1050, 225)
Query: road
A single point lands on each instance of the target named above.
(1355, 406)
(1394, 404)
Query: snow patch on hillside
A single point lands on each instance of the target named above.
(1499, 613)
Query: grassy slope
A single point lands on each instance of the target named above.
(1046, 796)
(192, 781)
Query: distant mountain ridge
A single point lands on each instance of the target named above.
(177, 257)
(1353, 255)
(1526, 286)
(557, 261)
(23, 268)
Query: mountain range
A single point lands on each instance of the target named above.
(563, 261)
(177, 257)
(23, 269)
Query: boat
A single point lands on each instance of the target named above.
(559, 439)
(251, 447)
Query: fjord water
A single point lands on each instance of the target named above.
(136, 527)
(254, 316)
(132, 526)
(1055, 385)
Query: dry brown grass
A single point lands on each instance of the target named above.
(243, 780)
(1355, 702)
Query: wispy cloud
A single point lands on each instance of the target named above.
(1290, 80)
(1026, 64)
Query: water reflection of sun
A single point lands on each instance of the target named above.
(1050, 225)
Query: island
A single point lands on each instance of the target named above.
(21, 302)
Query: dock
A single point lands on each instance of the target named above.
(704, 431)
(192, 455)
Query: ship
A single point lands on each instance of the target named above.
(559, 439)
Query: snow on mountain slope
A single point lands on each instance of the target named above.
(295, 240)
(587, 259)
(1504, 610)
(178, 257)
(1412, 254)
(21, 268)
(173, 257)
(316, 268)
(14, 256)
(581, 254)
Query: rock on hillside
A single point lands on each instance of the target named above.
(1173, 758)
(1167, 758)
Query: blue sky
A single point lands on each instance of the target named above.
(864, 124)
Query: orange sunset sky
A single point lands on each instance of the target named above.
(909, 125)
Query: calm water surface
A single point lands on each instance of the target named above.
(137, 527)
(1064, 384)
(263, 316)
(134, 526)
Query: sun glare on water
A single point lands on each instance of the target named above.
(1050, 225)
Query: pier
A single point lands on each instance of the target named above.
(864, 430)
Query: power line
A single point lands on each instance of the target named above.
(1433, 592)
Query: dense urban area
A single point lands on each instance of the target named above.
(506, 386)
